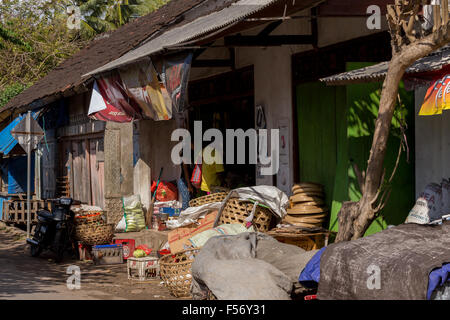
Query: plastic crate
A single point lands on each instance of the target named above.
(142, 269)
(128, 245)
(108, 254)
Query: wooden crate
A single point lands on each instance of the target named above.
(15, 211)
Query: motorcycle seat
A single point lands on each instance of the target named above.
(45, 214)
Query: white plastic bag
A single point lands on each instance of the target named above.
(428, 207)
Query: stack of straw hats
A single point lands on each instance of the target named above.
(307, 205)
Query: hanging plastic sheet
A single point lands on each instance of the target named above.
(7, 142)
(110, 102)
(17, 175)
(437, 97)
(176, 69)
(141, 83)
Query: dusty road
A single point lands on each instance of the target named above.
(24, 277)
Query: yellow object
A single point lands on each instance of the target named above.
(437, 97)
(209, 173)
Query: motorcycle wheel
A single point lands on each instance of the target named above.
(59, 245)
(35, 251)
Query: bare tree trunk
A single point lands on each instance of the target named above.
(356, 217)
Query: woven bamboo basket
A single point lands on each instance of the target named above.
(93, 234)
(210, 198)
(175, 271)
(235, 211)
(90, 217)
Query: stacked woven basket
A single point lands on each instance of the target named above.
(307, 205)
(91, 228)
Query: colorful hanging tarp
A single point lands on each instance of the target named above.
(130, 94)
(437, 97)
(109, 101)
(142, 84)
(176, 70)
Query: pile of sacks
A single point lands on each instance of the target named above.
(307, 205)
(433, 204)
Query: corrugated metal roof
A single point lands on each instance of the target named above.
(377, 72)
(197, 28)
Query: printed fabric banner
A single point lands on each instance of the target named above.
(176, 69)
(436, 97)
(116, 106)
(142, 84)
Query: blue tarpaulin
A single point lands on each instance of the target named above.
(7, 142)
(17, 174)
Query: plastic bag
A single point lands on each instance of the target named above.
(134, 215)
(122, 225)
(146, 249)
(166, 191)
(428, 207)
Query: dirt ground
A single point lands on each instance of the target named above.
(24, 277)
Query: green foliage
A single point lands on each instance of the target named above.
(100, 16)
(35, 37)
(10, 92)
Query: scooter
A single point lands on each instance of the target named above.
(54, 229)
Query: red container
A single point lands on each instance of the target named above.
(128, 247)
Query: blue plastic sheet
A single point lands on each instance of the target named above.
(7, 142)
(310, 275)
(17, 174)
(438, 277)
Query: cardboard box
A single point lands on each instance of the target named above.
(179, 238)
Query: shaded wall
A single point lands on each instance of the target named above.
(432, 145)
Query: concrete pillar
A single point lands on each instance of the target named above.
(118, 167)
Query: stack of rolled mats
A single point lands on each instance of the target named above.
(307, 205)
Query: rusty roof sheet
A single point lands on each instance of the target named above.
(377, 72)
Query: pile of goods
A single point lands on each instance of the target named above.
(307, 206)
(164, 211)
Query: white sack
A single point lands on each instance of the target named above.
(428, 206)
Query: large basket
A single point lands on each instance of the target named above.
(93, 234)
(235, 211)
(210, 198)
(175, 271)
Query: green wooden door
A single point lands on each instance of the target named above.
(319, 121)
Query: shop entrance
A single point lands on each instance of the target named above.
(225, 102)
(82, 170)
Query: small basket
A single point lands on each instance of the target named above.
(175, 271)
(210, 198)
(236, 211)
(90, 217)
(92, 234)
